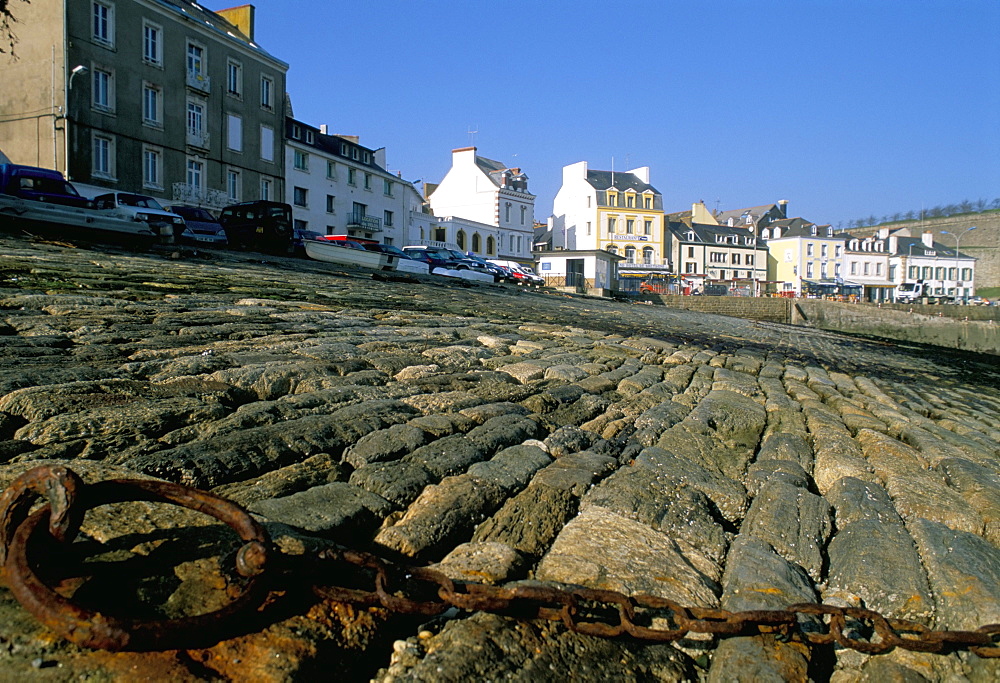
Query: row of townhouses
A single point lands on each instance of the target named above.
(169, 99)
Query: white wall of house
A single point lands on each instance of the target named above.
(330, 196)
(469, 193)
(575, 210)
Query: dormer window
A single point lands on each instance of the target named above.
(765, 234)
(690, 236)
(814, 231)
(777, 233)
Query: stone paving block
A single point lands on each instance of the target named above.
(583, 410)
(980, 488)
(728, 495)
(756, 577)
(443, 402)
(739, 382)
(566, 373)
(482, 562)
(964, 574)
(315, 470)
(734, 418)
(763, 471)
(512, 468)
(385, 444)
(552, 398)
(524, 372)
(399, 482)
(446, 456)
(443, 424)
(600, 549)
(345, 513)
(576, 471)
(762, 658)
(794, 522)
(682, 513)
(569, 439)
(786, 446)
(916, 491)
(510, 650)
(529, 521)
(502, 431)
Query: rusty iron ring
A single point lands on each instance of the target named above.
(89, 628)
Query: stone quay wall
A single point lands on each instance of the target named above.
(752, 308)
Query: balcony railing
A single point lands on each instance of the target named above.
(183, 193)
(197, 137)
(356, 221)
(198, 81)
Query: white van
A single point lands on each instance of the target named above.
(523, 275)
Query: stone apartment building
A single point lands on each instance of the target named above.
(493, 201)
(336, 186)
(706, 252)
(158, 97)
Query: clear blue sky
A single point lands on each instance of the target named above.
(846, 108)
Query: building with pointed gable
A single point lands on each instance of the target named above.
(488, 193)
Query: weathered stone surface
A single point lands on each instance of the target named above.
(341, 511)
(601, 549)
(506, 649)
(756, 577)
(728, 495)
(482, 562)
(964, 573)
(794, 522)
(530, 521)
(786, 471)
(442, 515)
(980, 487)
(511, 468)
(385, 444)
(315, 470)
(399, 482)
(576, 472)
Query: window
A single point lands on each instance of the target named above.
(300, 196)
(927, 272)
(234, 78)
(265, 189)
(854, 267)
(300, 224)
(196, 173)
(823, 250)
(630, 254)
(103, 94)
(387, 187)
(103, 15)
(300, 160)
(104, 157)
(266, 92)
(152, 105)
(966, 273)
(368, 181)
(690, 252)
(629, 226)
(352, 176)
(939, 275)
(331, 170)
(612, 199)
(836, 270)
(507, 213)
(267, 143)
(748, 260)
(878, 268)
(647, 227)
(630, 203)
(477, 243)
(387, 218)
(152, 168)
(838, 250)
(234, 129)
(152, 43)
(309, 137)
(809, 249)
(331, 202)
(647, 202)
(195, 59)
(716, 257)
(196, 123)
(490, 246)
(233, 184)
(690, 267)
(647, 255)
(736, 259)
(296, 133)
(914, 272)
(809, 269)
(611, 224)
(524, 212)
(588, 227)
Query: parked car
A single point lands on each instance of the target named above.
(202, 226)
(261, 225)
(300, 234)
(485, 266)
(40, 185)
(404, 262)
(435, 257)
(523, 275)
(42, 200)
(139, 207)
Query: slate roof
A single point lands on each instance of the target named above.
(215, 23)
(604, 180)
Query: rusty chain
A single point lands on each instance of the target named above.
(369, 580)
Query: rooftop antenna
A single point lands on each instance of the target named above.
(472, 135)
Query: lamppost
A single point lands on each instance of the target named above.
(958, 239)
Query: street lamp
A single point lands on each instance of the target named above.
(958, 239)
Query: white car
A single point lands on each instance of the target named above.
(138, 207)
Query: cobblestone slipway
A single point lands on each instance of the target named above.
(501, 435)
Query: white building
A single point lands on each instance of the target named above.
(619, 212)
(944, 271)
(867, 262)
(338, 187)
(493, 198)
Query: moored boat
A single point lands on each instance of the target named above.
(334, 252)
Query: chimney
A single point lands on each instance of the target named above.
(893, 244)
(323, 129)
(241, 17)
(928, 239)
(783, 207)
